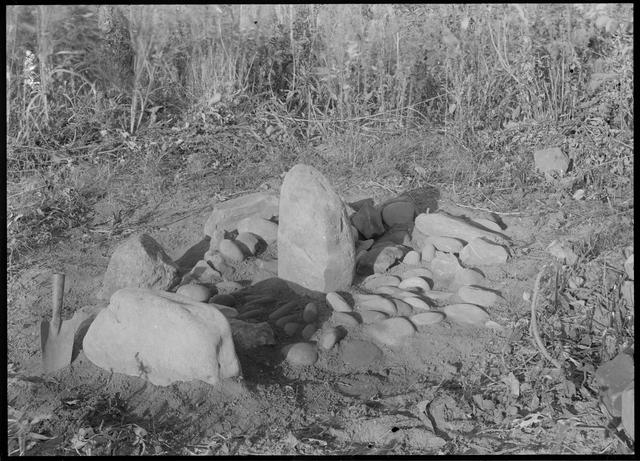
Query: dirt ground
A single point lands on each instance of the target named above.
(448, 390)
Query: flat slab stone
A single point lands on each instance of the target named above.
(265, 229)
(482, 252)
(315, 241)
(551, 159)
(163, 337)
(391, 332)
(368, 220)
(226, 215)
(359, 354)
(445, 225)
(398, 212)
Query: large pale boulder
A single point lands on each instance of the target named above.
(139, 262)
(226, 215)
(163, 337)
(315, 242)
(445, 225)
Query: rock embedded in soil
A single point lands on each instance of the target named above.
(412, 258)
(345, 319)
(196, 292)
(428, 252)
(551, 159)
(391, 332)
(376, 280)
(415, 282)
(290, 329)
(445, 265)
(447, 244)
(398, 212)
(139, 262)
(168, 336)
(466, 314)
(368, 221)
(315, 245)
(478, 295)
(310, 313)
(481, 252)
(403, 309)
(331, 336)
(417, 272)
(337, 303)
(266, 229)
(427, 318)
(230, 250)
(248, 243)
(226, 215)
(248, 335)
(369, 316)
(301, 354)
(374, 303)
(224, 300)
(308, 331)
(445, 225)
(359, 354)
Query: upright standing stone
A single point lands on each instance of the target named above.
(315, 245)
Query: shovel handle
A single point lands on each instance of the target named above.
(57, 281)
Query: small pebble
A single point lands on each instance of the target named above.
(415, 282)
(195, 291)
(376, 280)
(331, 336)
(310, 313)
(230, 250)
(375, 303)
(291, 328)
(412, 258)
(526, 295)
(427, 318)
(337, 302)
(301, 354)
(396, 292)
(466, 314)
(418, 303)
(478, 295)
(250, 314)
(285, 309)
(223, 299)
(308, 331)
(282, 321)
(428, 252)
(417, 272)
(344, 319)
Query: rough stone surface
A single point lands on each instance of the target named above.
(551, 159)
(247, 335)
(164, 336)
(196, 292)
(139, 262)
(447, 244)
(412, 258)
(337, 303)
(398, 212)
(376, 280)
(230, 250)
(315, 245)
(265, 229)
(248, 243)
(359, 354)
(428, 252)
(226, 215)
(391, 332)
(445, 225)
(301, 354)
(478, 295)
(368, 221)
(331, 336)
(481, 252)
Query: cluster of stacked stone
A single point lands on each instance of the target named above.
(180, 320)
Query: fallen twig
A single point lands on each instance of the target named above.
(533, 327)
(504, 213)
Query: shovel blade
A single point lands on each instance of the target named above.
(57, 348)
